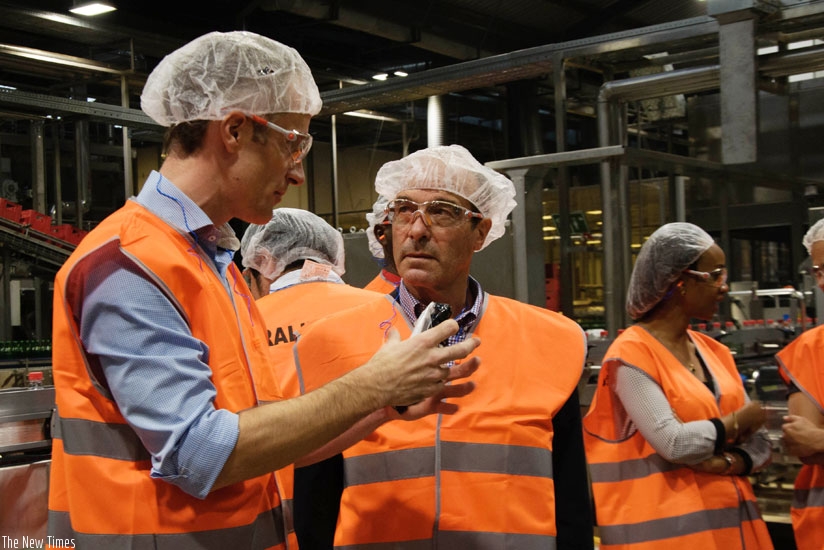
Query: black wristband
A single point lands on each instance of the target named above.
(745, 457)
(720, 435)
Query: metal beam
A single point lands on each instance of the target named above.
(113, 114)
(508, 67)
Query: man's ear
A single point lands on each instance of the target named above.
(380, 232)
(481, 231)
(233, 127)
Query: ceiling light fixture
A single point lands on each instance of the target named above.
(91, 8)
(380, 76)
(60, 59)
(372, 115)
(401, 73)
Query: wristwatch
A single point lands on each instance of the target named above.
(730, 463)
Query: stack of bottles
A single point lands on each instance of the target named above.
(25, 349)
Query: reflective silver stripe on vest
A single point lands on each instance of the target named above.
(87, 437)
(266, 531)
(679, 526)
(804, 498)
(460, 540)
(399, 545)
(455, 457)
(611, 472)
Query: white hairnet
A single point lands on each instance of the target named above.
(291, 235)
(452, 168)
(670, 250)
(221, 72)
(814, 234)
(378, 215)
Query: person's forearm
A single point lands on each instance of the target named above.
(275, 435)
(649, 410)
(759, 449)
(360, 430)
(804, 428)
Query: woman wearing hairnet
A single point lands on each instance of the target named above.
(671, 434)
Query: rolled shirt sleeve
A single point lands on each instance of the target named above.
(158, 374)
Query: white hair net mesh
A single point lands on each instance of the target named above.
(452, 168)
(291, 235)
(221, 72)
(670, 250)
(814, 234)
(378, 215)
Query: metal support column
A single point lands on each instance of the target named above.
(38, 163)
(434, 121)
(58, 180)
(39, 300)
(559, 79)
(679, 192)
(83, 168)
(527, 236)
(614, 284)
(335, 216)
(739, 90)
(128, 178)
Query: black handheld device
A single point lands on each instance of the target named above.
(434, 314)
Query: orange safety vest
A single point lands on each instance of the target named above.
(101, 493)
(286, 312)
(481, 478)
(643, 502)
(384, 282)
(801, 362)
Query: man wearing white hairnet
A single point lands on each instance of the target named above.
(161, 364)
(379, 237)
(295, 263)
(486, 477)
(802, 365)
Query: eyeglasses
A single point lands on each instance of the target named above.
(817, 271)
(716, 277)
(402, 212)
(299, 143)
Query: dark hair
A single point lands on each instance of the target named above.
(187, 137)
(295, 265)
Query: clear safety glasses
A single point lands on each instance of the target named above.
(299, 143)
(402, 212)
(716, 277)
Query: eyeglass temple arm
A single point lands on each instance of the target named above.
(260, 120)
(291, 135)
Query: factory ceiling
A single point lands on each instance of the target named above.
(343, 41)
(45, 49)
(460, 48)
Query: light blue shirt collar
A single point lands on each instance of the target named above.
(161, 197)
